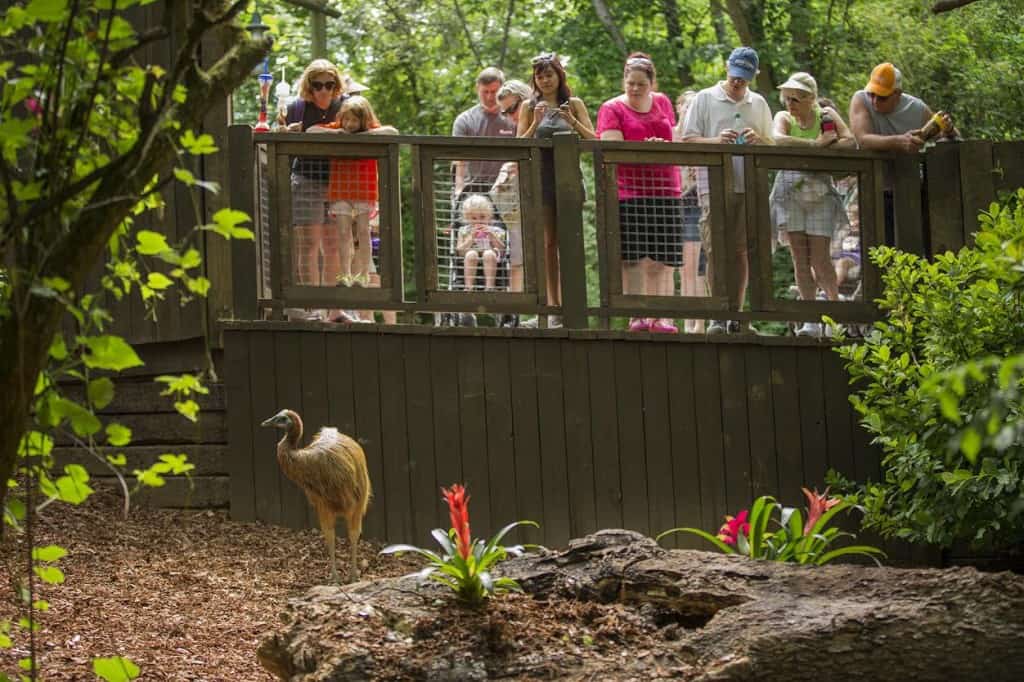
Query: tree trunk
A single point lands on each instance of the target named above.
(604, 15)
(746, 16)
(690, 615)
(670, 8)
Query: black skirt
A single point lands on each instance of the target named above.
(652, 227)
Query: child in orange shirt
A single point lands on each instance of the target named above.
(352, 191)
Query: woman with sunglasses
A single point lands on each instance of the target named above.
(320, 97)
(651, 216)
(806, 208)
(552, 109)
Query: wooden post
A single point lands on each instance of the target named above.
(569, 211)
(976, 182)
(907, 203)
(318, 34)
(241, 193)
(945, 221)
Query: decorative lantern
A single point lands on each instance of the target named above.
(257, 29)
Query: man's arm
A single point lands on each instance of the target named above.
(860, 125)
(693, 127)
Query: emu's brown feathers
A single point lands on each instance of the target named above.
(331, 470)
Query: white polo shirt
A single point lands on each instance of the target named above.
(712, 111)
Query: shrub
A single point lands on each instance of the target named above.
(938, 384)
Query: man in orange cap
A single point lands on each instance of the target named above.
(884, 118)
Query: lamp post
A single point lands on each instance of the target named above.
(257, 29)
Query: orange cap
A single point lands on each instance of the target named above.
(883, 80)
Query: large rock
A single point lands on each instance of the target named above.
(616, 605)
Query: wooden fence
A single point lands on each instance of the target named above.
(575, 430)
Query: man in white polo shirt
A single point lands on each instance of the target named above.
(729, 113)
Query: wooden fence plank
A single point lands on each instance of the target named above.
(315, 404)
(422, 465)
(366, 382)
(169, 428)
(632, 447)
(578, 448)
(764, 468)
(550, 408)
(263, 405)
(838, 414)
(945, 219)
(977, 183)
(500, 437)
(473, 415)
(735, 434)
(394, 439)
(685, 454)
(658, 438)
(1009, 160)
(447, 417)
(707, 389)
(907, 195)
(236, 375)
(288, 376)
(786, 400)
(605, 435)
(526, 426)
(812, 419)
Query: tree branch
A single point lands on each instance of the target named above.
(505, 32)
(941, 6)
(604, 15)
(469, 35)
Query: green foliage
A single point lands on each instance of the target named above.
(757, 535)
(115, 669)
(938, 384)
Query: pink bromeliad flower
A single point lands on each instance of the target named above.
(458, 511)
(817, 504)
(733, 526)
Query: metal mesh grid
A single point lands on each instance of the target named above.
(263, 207)
(478, 230)
(816, 223)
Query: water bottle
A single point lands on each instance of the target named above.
(737, 125)
(827, 124)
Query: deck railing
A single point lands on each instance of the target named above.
(414, 176)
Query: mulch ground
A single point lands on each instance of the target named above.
(189, 595)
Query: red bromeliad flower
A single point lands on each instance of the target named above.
(816, 506)
(733, 526)
(458, 511)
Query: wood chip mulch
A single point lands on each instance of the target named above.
(186, 595)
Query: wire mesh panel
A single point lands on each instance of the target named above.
(816, 230)
(265, 256)
(478, 228)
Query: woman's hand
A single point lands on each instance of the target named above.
(826, 139)
(540, 109)
(293, 127)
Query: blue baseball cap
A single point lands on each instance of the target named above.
(742, 63)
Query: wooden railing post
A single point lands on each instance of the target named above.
(569, 211)
(909, 230)
(242, 197)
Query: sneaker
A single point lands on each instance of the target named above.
(361, 280)
(345, 317)
(467, 320)
(344, 280)
(639, 324)
(509, 321)
(716, 327)
(736, 327)
(554, 321)
(664, 326)
(529, 324)
(809, 329)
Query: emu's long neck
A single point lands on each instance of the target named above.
(292, 437)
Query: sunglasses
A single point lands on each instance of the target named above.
(512, 109)
(545, 58)
(318, 86)
(879, 98)
(793, 100)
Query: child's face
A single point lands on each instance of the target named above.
(477, 217)
(350, 122)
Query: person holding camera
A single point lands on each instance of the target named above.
(553, 109)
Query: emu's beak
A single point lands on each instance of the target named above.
(269, 422)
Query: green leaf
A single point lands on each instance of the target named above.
(49, 574)
(970, 443)
(115, 669)
(5, 642)
(227, 221)
(49, 553)
(83, 422)
(47, 10)
(118, 460)
(118, 435)
(188, 409)
(100, 392)
(178, 464)
(150, 477)
(198, 285)
(191, 259)
(41, 605)
(158, 281)
(35, 443)
(73, 488)
(149, 243)
(58, 349)
(196, 146)
(110, 352)
(697, 531)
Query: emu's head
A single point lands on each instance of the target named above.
(282, 420)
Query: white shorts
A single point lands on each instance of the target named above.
(351, 208)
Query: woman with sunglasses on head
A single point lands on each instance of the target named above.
(320, 97)
(650, 195)
(552, 109)
(806, 208)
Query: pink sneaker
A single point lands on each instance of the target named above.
(639, 324)
(664, 326)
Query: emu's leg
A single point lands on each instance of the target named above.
(327, 528)
(355, 529)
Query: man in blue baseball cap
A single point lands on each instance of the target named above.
(729, 113)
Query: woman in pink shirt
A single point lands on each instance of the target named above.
(650, 195)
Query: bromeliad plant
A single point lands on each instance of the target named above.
(751, 533)
(465, 563)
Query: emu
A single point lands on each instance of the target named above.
(331, 470)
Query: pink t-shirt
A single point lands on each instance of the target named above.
(642, 180)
